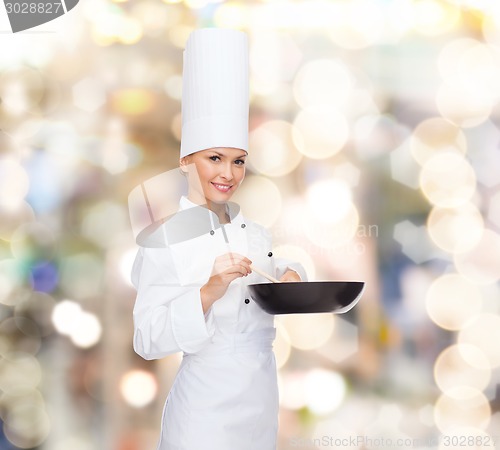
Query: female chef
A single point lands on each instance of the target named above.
(192, 293)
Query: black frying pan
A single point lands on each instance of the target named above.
(307, 297)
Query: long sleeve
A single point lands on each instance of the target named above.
(168, 317)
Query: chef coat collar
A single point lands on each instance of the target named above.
(232, 209)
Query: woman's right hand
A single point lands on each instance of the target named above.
(226, 268)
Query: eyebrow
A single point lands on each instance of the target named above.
(244, 155)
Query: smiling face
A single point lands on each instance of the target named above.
(220, 171)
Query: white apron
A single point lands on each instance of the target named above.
(225, 394)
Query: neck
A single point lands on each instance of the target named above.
(217, 208)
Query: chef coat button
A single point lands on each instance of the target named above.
(270, 254)
(243, 225)
(247, 301)
(212, 232)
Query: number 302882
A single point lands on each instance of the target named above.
(33, 8)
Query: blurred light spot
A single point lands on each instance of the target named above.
(471, 62)
(260, 198)
(324, 391)
(332, 234)
(298, 254)
(348, 173)
(112, 25)
(432, 17)
(232, 14)
(452, 370)
(308, 331)
(483, 331)
(13, 218)
(89, 94)
(81, 275)
(320, 132)
(33, 241)
(138, 388)
(404, 169)
(329, 200)
(274, 56)
(323, 82)
(21, 88)
(281, 346)
(343, 343)
(292, 392)
(462, 406)
(19, 371)
(464, 103)
(64, 316)
(273, 150)
(415, 242)
(173, 86)
(481, 264)
(103, 222)
(452, 301)
(87, 331)
(178, 35)
(436, 135)
(456, 230)
(356, 24)
(447, 180)
(14, 184)
(133, 102)
(44, 276)
(27, 426)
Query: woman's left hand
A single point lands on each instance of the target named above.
(290, 275)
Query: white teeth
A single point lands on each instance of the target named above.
(221, 187)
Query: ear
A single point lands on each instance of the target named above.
(183, 163)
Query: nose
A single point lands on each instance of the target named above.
(227, 171)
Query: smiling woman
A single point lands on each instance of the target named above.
(193, 291)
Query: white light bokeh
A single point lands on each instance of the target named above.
(456, 230)
(324, 391)
(452, 369)
(452, 301)
(138, 388)
(320, 132)
(273, 150)
(436, 135)
(462, 406)
(483, 332)
(448, 180)
(481, 264)
(308, 331)
(14, 183)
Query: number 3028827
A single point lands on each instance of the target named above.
(33, 8)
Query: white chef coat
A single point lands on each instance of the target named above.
(225, 394)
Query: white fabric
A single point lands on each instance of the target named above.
(225, 393)
(215, 90)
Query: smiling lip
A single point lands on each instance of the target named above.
(222, 187)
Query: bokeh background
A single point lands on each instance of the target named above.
(374, 156)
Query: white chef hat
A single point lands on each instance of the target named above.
(215, 97)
